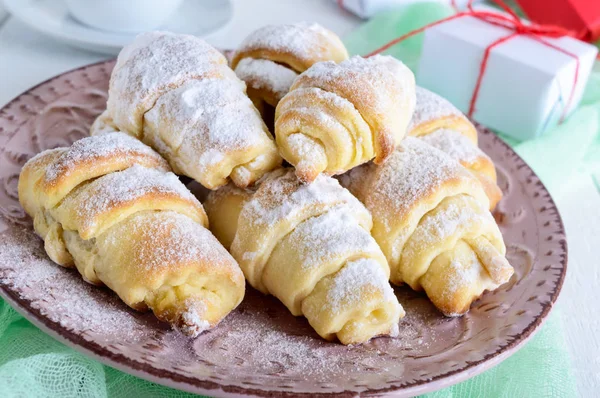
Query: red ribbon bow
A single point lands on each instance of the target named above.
(512, 22)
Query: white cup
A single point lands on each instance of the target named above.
(129, 16)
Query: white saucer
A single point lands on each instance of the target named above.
(196, 17)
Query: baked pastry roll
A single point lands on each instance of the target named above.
(177, 94)
(433, 112)
(337, 116)
(442, 125)
(309, 246)
(270, 58)
(460, 148)
(431, 219)
(109, 206)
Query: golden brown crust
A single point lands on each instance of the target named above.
(93, 157)
(298, 46)
(386, 145)
(132, 226)
(349, 113)
(442, 125)
(270, 59)
(309, 246)
(433, 112)
(257, 95)
(430, 219)
(457, 123)
(461, 149)
(177, 94)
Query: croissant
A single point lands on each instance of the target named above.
(338, 116)
(109, 206)
(442, 125)
(431, 219)
(270, 58)
(177, 94)
(309, 246)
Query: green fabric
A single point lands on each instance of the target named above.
(33, 364)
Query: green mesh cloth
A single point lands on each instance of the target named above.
(33, 364)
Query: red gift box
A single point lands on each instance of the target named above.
(580, 16)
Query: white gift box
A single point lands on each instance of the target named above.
(367, 8)
(526, 85)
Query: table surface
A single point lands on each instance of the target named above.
(28, 57)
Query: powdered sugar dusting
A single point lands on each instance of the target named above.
(306, 148)
(172, 240)
(408, 175)
(332, 235)
(306, 41)
(282, 196)
(153, 63)
(456, 145)
(430, 106)
(204, 121)
(348, 284)
(60, 295)
(91, 148)
(262, 74)
(191, 322)
(451, 215)
(115, 189)
(383, 81)
(462, 275)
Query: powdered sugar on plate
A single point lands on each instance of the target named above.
(260, 336)
(60, 294)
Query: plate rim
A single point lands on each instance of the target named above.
(198, 386)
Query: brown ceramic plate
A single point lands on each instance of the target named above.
(260, 349)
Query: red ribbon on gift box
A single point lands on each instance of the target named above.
(512, 22)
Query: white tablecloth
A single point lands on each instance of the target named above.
(27, 57)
